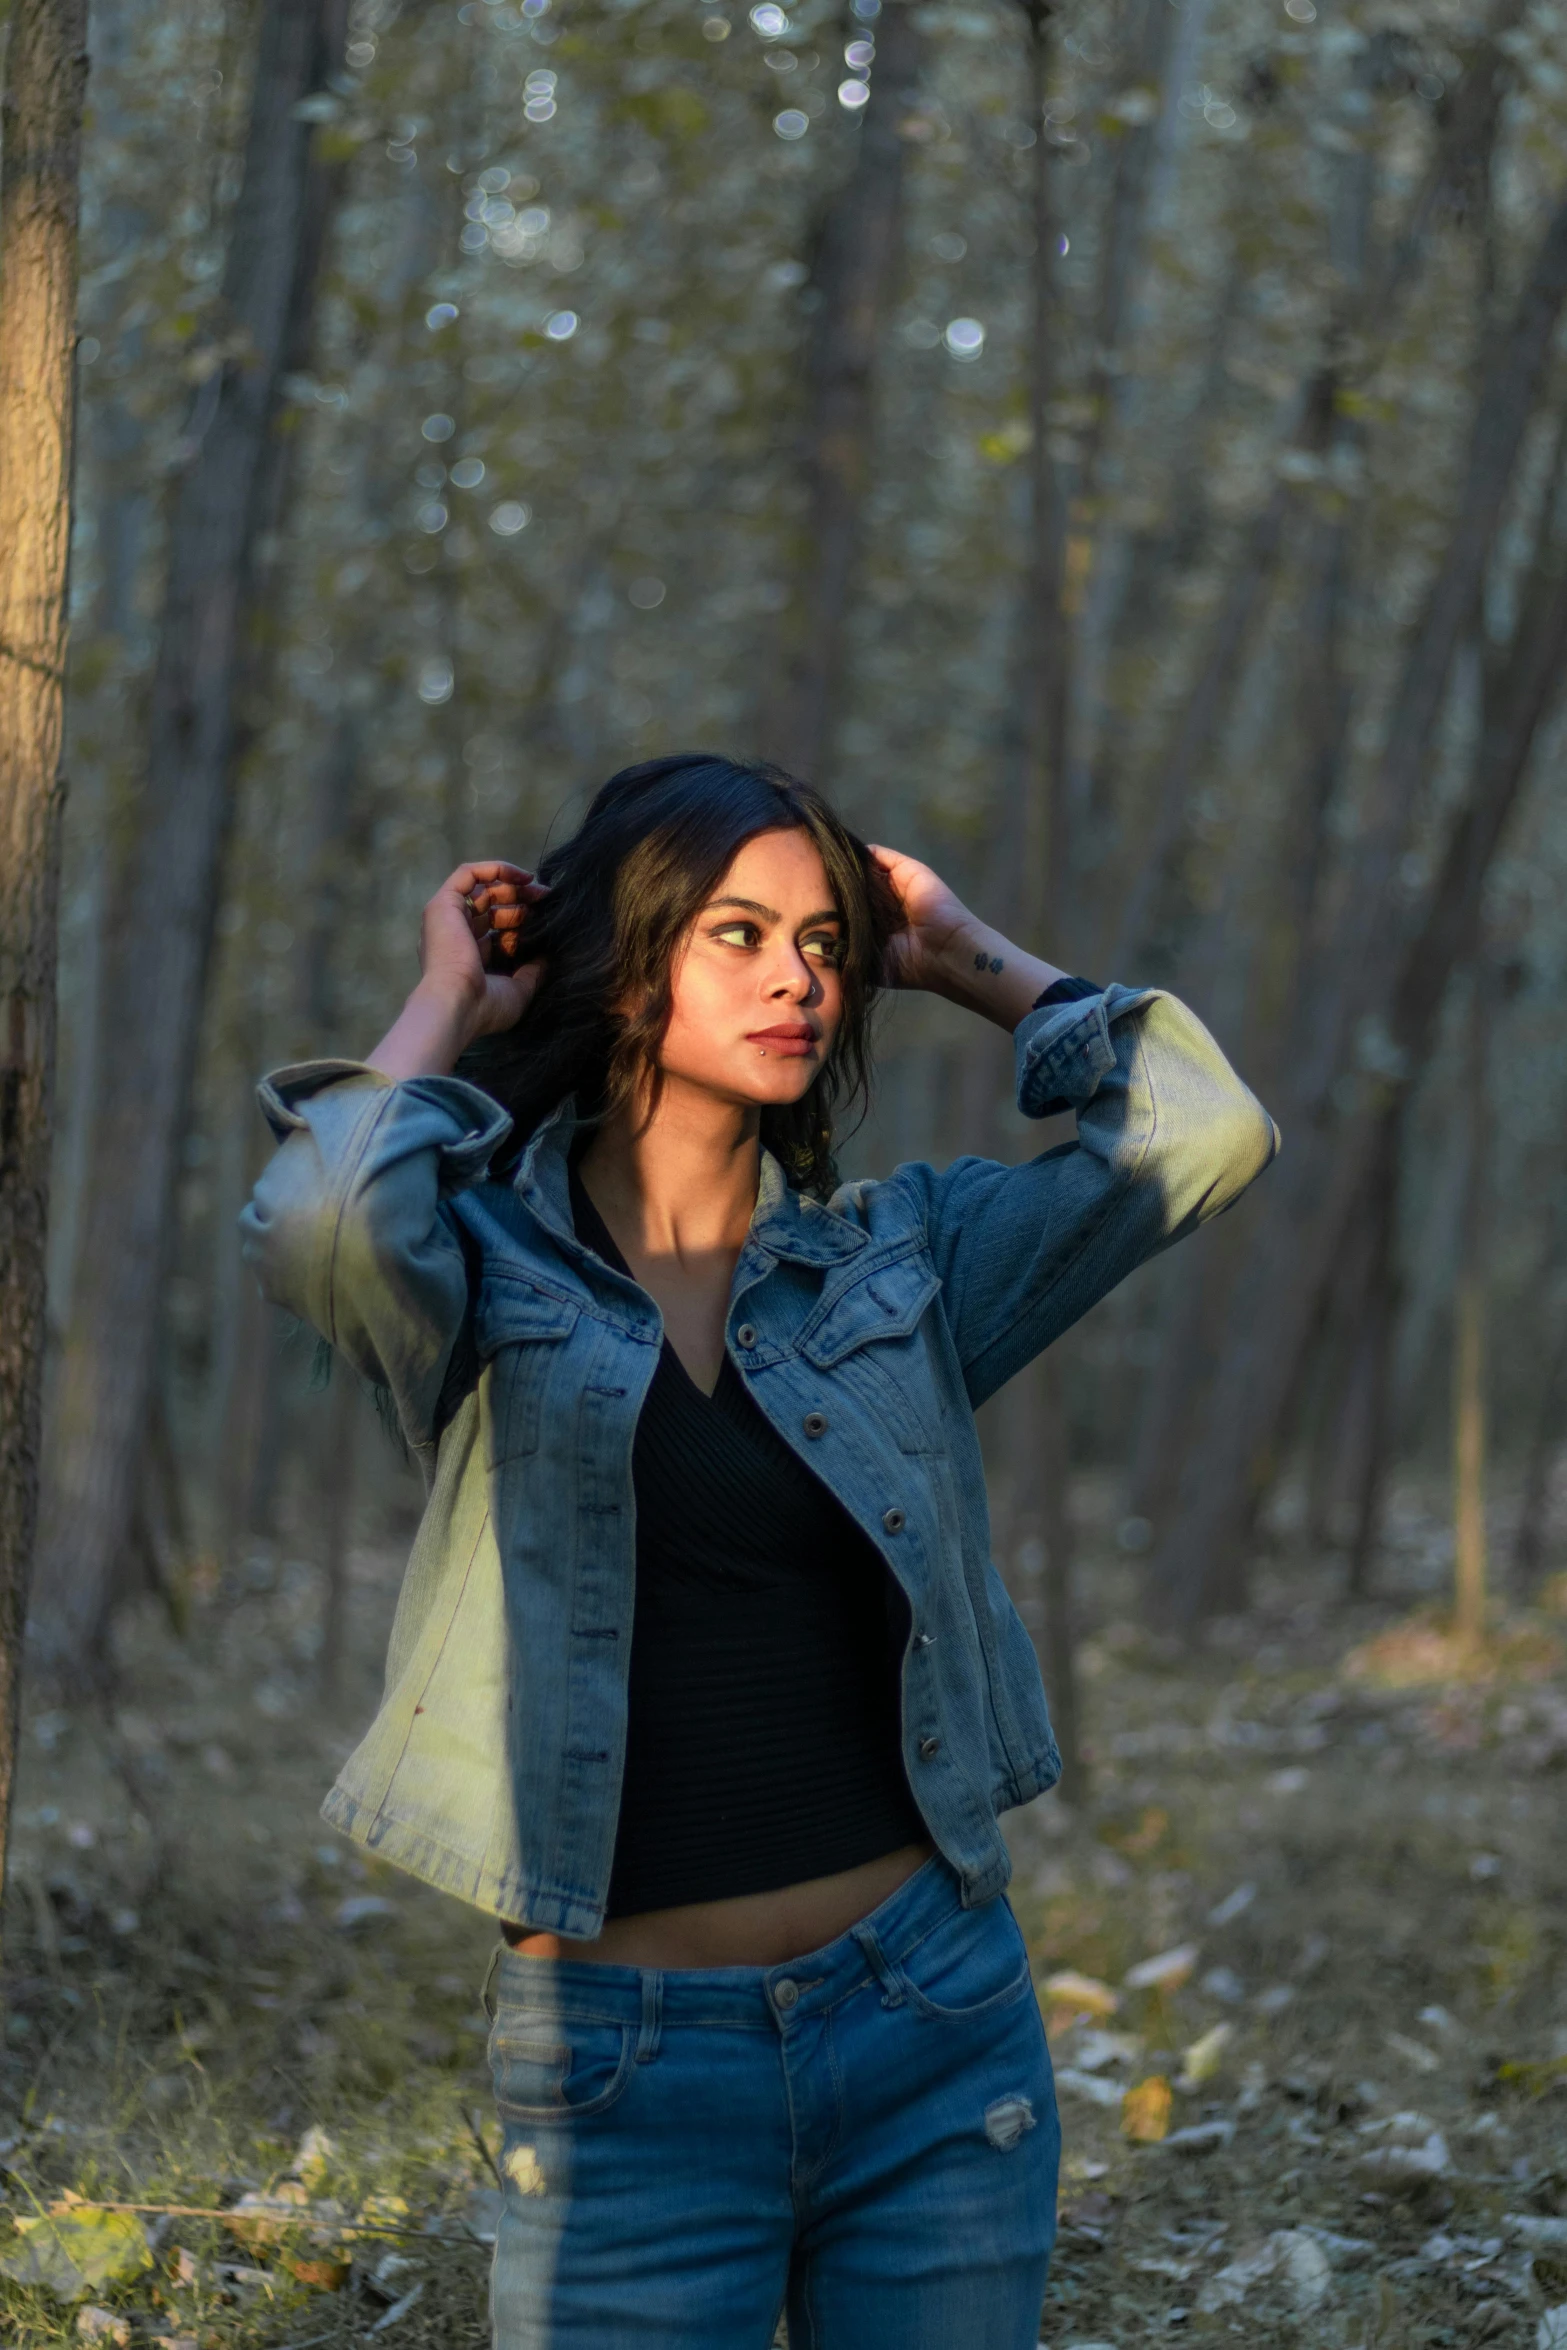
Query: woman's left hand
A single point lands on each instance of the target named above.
(937, 920)
(949, 952)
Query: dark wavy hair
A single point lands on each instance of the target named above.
(624, 890)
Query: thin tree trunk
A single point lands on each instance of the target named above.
(1040, 898)
(1373, 1378)
(1469, 1415)
(337, 1514)
(1529, 1540)
(856, 277)
(40, 159)
(170, 884)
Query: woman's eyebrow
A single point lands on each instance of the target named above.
(771, 913)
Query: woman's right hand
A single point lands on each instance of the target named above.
(471, 941)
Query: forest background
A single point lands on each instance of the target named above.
(1117, 448)
(1118, 451)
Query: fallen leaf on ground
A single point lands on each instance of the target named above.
(1202, 2059)
(94, 2324)
(1413, 2150)
(67, 2252)
(1424, 2060)
(1290, 2258)
(1066, 1996)
(361, 1910)
(1090, 2086)
(1200, 2137)
(1092, 2051)
(323, 2272)
(1145, 2111)
(262, 2219)
(1523, 2227)
(314, 2156)
(1165, 1972)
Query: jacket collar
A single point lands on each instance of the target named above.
(785, 1222)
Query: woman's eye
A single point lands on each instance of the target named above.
(742, 932)
(829, 949)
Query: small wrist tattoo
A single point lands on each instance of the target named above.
(987, 962)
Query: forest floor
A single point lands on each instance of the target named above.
(1348, 2065)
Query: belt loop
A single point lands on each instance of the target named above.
(487, 1988)
(891, 1988)
(652, 2030)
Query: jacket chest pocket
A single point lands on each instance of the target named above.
(519, 1331)
(868, 1336)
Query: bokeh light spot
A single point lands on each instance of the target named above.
(508, 518)
(964, 338)
(791, 124)
(438, 427)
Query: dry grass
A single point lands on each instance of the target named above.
(188, 1994)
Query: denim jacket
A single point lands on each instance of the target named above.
(868, 1329)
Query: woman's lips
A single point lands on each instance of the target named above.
(795, 1042)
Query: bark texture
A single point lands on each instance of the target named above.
(855, 279)
(1370, 993)
(1038, 898)
(168, 888)
(40, 127)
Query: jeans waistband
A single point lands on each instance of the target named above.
(741, 1996)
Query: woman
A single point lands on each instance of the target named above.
(702, 1680)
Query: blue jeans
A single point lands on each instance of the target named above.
(866, 2137)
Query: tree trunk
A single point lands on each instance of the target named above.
(1372, 1378)
(1040, 897)
(1529, 1540)
(1199, 727)
(337, 1514)
(1469, 1446)
(1367, 1003)
(40, 157)
(856, 278)
(170, 884)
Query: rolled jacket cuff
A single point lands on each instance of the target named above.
(467, 1125)
(1064, 1049)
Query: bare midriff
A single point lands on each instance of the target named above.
(753, 1929)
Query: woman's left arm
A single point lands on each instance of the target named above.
(1167, 1137)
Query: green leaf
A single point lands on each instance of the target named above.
(72, 2253)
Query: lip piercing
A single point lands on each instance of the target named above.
(762, 1049)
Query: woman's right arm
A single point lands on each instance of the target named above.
(348, 1227)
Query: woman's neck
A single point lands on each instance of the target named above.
(680, 1187)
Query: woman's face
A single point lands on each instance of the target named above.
(757, 993)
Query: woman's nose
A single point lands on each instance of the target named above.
(796, 978)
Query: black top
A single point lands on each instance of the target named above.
(763, 1743)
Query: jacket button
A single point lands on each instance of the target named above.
(924, 1639)
(929, 1749)
(894, 1520)
(746, 1334)
(816, 1423)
